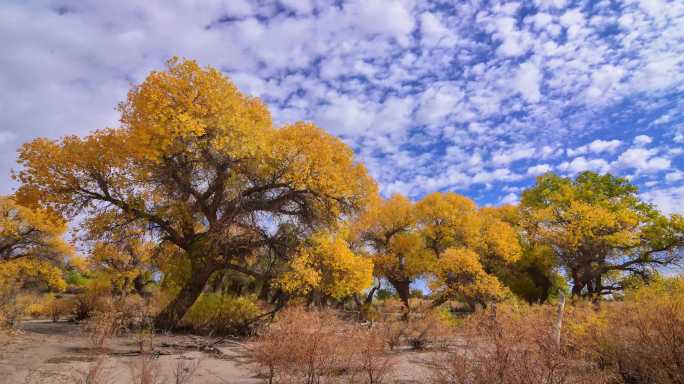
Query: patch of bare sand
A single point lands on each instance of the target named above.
(59, 353)
(46, 353)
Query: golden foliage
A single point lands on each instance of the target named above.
(460, 275)
(34, 233)
(328, 265)
(222, 314)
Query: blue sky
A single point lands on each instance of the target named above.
(476, 97)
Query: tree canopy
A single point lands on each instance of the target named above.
(199, 186)
(198, 165)
(599, 229)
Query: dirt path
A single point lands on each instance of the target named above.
(43, 352)
(46, 352)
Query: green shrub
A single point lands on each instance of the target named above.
(223, 314)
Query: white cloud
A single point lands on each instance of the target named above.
(671, 177)
(668, 200)
(513, 154)
(497, 175)
(238, 8)
(581, 164)
(300, 6)
(511, 198)
(538, 169)
(643, 160)
(573, 17)
(642, 140)
(527, 82)
(596, 146)
(387, 17)
(513, 41)
(433, 31)
(437, 102)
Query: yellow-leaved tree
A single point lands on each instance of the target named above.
(32, 251)
(30, 233)
(599, 230)
(469, 245)
(201, 166)
(326, 267)
(399, 254)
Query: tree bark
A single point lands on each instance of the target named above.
(403, 290)
(171, 315)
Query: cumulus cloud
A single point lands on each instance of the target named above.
(527, 82)
(299, 6)
(596, 146)
(642, 140)
(581, 164)
(464, 97)
(538, 169)
(643, 160)
(669, 200)
(511, 198)
(513, 154)
(671, 177)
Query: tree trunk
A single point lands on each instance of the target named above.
(403, 290)
(577, 285)
(169, 317)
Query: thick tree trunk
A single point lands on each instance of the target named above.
(169, 317)
(403, 290)
(577, 285)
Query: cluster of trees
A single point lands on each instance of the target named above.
(197, 186)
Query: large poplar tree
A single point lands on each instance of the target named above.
(201, 167)
(600, 230)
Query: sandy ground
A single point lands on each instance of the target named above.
(60, 353)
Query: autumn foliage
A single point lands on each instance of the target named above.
(198, 212)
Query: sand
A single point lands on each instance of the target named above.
(43, 352)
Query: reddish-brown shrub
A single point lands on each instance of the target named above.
(423, 327)
(309, 347)
(512, 345)
(640, 340)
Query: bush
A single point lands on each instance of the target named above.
(419, 329)
(96, 296)
(640, 340)
(223, 314)
(512, 345)
(60, 307)
(310, 347)
(47, 306)
(11, 307)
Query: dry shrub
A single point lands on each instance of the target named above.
(101, 327)
(640, 340)
(223, 314)
(96, 296)
(184, 371)
(421, 328)
(145, 370)
(512, 345)
(49, 306)
(59, 307)
(310, 347)
(132, 311)
(12, 306)
(374, 363)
